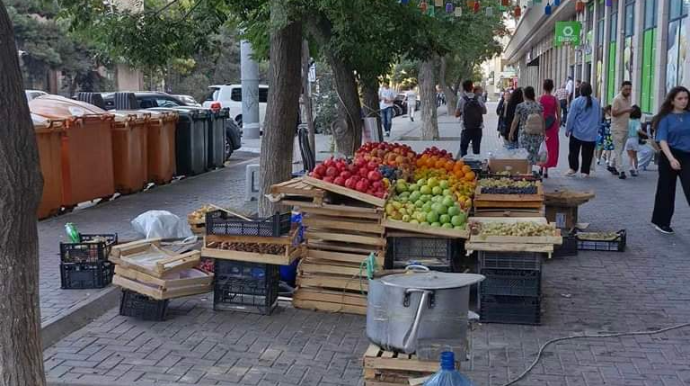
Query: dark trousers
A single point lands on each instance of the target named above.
(564, 111)
(665, 200)
(467, 136)
(587, 149)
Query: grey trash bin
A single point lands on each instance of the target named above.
(215, 134)
(190, 140)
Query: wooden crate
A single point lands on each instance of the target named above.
(293, 249)
(543, 244)
(319, 299)
(425, 229)
(387, 368)
(148, 257)
(343, 191)
(296, 192)
(184, 283)
(512, 201)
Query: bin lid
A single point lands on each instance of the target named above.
(124, 115)
(190, 114)
(161, 114)
(202, 111)
(431, 280)
(55, 106)
(44, 124)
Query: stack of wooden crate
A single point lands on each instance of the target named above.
(509, 205)
(388, 368)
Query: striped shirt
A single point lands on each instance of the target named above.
(561, 94)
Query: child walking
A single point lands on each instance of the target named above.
(604, 140)
(632, 146)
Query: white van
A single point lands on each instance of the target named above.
(230, 96)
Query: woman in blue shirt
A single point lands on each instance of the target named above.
(584, 118)
(672, 126)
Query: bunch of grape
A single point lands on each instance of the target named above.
(521, 229)
(507, 186)
(390, 172)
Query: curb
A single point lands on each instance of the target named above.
(81, 314)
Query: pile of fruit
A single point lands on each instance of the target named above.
(430, 202)
(392, 156)
(597, 236)
(270, 249)
(199, 215)
(507, 186)
(359, 175)
(434, 151)
(520, 229)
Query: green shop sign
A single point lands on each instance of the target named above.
(567, 33)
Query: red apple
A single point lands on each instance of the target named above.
(374, 175)
(339, 181)
(332, 171)
(328, 179)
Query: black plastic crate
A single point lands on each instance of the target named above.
(510, 309)
(435, 253)
(510, 260)
(244, 286)
(221, 223)
(142, 307)
(86, 275)
(617, 245)
(510, 282)
(569, 246)
(86, 251)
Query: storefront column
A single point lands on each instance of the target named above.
(661, 53)
(637, 43)
(620, 41)
(603, 87)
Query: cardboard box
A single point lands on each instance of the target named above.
(513, 166)
(565, 217)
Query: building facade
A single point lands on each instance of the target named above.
(643, 41)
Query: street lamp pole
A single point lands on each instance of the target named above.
(249, 69)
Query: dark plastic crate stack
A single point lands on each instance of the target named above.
(510, 260)
(142, 307)
(617, 245)
(86, 275)
(510, 309)
(221, 223)
(85, 251)
(244, 286)
(569, 246)
(435, 253)
(510, 282)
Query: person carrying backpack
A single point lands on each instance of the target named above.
(471, 109)
(529, 126)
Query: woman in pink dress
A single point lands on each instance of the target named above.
(552, 117)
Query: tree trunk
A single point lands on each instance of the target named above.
(427, 91)
(284, 81)
(306, 96)
(370, 93)
(21, 355)
(347, 129)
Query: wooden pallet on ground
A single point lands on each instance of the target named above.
(387, 368)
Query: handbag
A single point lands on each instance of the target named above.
(550, 121)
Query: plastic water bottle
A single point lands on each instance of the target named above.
(448, 376)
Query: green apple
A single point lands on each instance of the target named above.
(444, 184)
(421, 182)
(453, 210)
(426, 189)
(459, 227)
(419, 203)
(447, 226)
(433, 182)
(437, 191)
(401, 187)
(414, 196)
(402, 211)
(426, 207)
(436, 224)
(414, 222)
(424, 223)
(456, 220)
(413, 187)
(406, 218)
(448, 202)
(432, 217)
(443, 219)
(448, 192)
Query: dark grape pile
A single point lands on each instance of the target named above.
(390, 172)
(510, 190)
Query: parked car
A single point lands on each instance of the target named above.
(146, 99)
(188, 99)
(400, 105)
(230, 96)
(33, 94)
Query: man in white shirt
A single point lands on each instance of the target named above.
(386, 98)
(570, 88)
(411, 101)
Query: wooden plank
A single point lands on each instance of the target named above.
(388, 363)
(323, 281)
(557, 240)
(342, 210)
(539, 196)
(508, 212)
(283, 240)
(159, 293)
(346, 238)
(509, 219)
(419, 228)
(336, 297)
(308, 266)
(380, 202)
(507, 204)
(489, 247)
(342, 257)
(341, 247)
(163, 283)
(328, 307)
(324, 222)
(372, 351)
(288, 258)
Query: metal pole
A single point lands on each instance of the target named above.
(249, 69)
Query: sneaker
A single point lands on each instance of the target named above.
(633, 173)
(612, 170)
(622, 176)
(665, 229)
(570, 173)
(388, 134)
(412, 119)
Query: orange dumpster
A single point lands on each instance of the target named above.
(129, 151)
(48, 139)
(161, 146)
(87, 148)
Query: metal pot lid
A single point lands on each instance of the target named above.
(432, 280)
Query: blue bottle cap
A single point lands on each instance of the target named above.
(447, 360)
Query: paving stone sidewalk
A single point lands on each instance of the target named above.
(644, 288)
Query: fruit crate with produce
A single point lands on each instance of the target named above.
(601, 241)
(513, 235)
(245, 286)
(257, 249)
(437, 202)
(84, 264)
(507, 193)
(436, 253)
(339, 239)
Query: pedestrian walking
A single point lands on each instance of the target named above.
(386, 98)
(604, 145)
(516, 97)
(411, 101)
(561, 95)
(620, 115)
(552, 119)
(501, 111)
(635, 132)
(672, 127)
(570, 89)
(582, 128)
(470, 110)
(529, 115)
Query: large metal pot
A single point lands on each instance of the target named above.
(421, 312)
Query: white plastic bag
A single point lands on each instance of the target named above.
(161, 224)
(543, 154)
